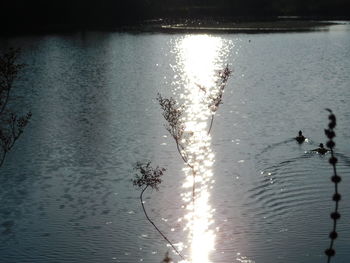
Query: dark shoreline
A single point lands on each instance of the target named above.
(195, 26)
(241, 27)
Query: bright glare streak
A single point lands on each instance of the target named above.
(199, 56)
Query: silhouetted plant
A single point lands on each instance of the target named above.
(216, 99)
(167, 259)
(330, 252)
(11, 125)
(172, 113)
(150, 177)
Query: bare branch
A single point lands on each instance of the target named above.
(11, 126)
(150, 177)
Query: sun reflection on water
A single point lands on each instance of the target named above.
(200, 57)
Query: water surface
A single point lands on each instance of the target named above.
(66, 188)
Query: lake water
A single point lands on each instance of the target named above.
(65, 189)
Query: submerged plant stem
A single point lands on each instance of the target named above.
(211, 123)
(3, 158)
(180, 152)
(154, 225)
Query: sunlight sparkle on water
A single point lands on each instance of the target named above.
(200, 57)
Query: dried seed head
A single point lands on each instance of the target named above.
(329, 133)
(330, 252)
(333, 235)
(335, 215)
(331, 125)
(333, 160)
(330, 144)
(147, 175)
(336, 197)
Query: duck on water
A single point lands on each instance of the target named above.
(300, 138)
(320, 149)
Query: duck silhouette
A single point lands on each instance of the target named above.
(300, 138)
(320, 149)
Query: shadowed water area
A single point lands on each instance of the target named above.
(65, 188)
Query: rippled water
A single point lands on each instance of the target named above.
(65, 189)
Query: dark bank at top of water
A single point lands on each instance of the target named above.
(194, 26)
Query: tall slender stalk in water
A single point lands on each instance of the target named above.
(150, 177)
(330, 252)
(216, 99)
(172, 113)
(211, 123)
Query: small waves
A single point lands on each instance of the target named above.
(299, 182)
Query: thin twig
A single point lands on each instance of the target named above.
(211, 123)
(6, 100)
(3, 158)
(154, 225)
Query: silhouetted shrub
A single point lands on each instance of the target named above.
(11, 125)
(173, 113)
(216, 100)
